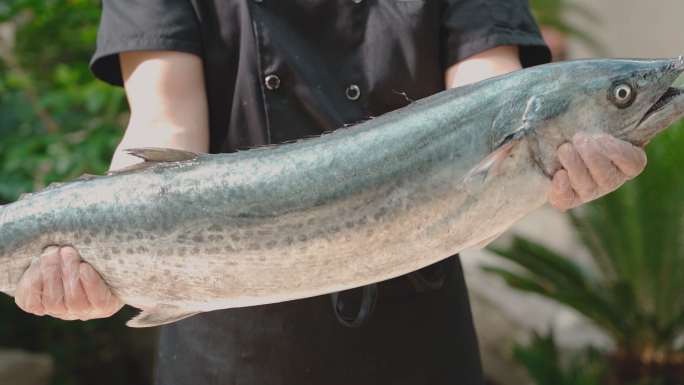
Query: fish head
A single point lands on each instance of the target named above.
(632, 100)
(628, 99)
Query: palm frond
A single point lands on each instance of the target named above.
(521, 283)
(551, 275)
(542, 361)
(560, 271)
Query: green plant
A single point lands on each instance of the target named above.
(543, 362)
(636, 237)
(552, 13)
(56, 120)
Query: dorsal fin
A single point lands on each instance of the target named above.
(152, 156)
(24, 196)
(86, 177)
(54, 185)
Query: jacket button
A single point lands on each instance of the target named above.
(272, 82)
(353, 92)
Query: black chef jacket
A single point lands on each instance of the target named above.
(282, 70)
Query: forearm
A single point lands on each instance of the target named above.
(168, 102)
(493, 62)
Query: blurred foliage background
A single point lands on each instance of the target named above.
(58, 122)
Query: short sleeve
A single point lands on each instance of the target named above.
(468, 27)
(140, 25)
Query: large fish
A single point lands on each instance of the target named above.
(184, 233)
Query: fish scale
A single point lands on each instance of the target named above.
(183, 233)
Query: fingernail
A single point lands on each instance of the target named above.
(580, 137)
(565, 151)
(49, 250)
(640, 157)
(606, 142)
(69, 257)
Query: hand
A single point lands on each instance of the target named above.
(593, 166)
(59, 284)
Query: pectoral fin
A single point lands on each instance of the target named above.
(490, 165)
(161, 315)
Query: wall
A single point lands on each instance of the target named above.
(633, 28)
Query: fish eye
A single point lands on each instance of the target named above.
(622, 95)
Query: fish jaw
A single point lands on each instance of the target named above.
(654, 107)
(665, 111)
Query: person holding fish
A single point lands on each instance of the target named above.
(225, 76)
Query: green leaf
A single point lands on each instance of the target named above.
(553, 13)
(521, 283)
(558, 270)
(541, 360)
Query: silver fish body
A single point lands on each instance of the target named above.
(184, 233)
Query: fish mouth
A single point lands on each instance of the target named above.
(670, 96)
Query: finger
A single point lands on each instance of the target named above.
(75, 298)
(562, 196)
(644, 143)
(101, 298)
(601, 168)
(29, 288)
(629, 159)
(580, 179)
(53, 289)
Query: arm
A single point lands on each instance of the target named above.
(593, 165)
(168, 103)
(487, 64)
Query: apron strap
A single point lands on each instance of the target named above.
(425, 281)
(370, 296)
